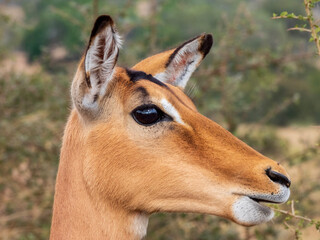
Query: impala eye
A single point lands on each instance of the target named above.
(148, 115)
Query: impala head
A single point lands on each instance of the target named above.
(148, 149)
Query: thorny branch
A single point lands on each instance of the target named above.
(314, 29)
(292, 214)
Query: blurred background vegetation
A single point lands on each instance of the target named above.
(260, 81)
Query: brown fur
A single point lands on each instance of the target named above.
(113, 171)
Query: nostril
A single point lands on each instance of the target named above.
(278, 177)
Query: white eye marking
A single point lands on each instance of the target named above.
(169, 108)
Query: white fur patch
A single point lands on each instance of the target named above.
(170, 110)
(247, 211)
(101, 69)
(111, 38)
(140, 225)
(250, 212)
(182, 65)
(88, 102)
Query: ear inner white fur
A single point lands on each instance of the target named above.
(184, 61)
(100, 60)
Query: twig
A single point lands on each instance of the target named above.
(287, 225)
(14, 216)
(65, 15)
(19, 215)
(95, 9)
(292, 215)
(273, 112)
(299, 29)
(292, 207)
(288, 17)
(312, 26)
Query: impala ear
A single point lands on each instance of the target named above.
(177, 65)
(97, 66)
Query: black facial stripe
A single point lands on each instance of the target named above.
(139, 75)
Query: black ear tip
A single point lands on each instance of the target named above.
(206, 44)
(100, 23)
(103, 19)
(208, 37)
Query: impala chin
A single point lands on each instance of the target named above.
(248, 210)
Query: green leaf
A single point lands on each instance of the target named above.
(277, 214)
(288, 218)
(318, 225)
(301, 222)
(291, 15)
(283, 14)
(274, 15)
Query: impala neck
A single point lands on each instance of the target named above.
(75, 214)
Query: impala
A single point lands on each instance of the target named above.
(135, 144)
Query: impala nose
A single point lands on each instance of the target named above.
(278, 177)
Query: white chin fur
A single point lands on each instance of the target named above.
(249, 212)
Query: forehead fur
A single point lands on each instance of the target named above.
(132, 81)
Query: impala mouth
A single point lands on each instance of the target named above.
(249, 209)
(260, 200)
